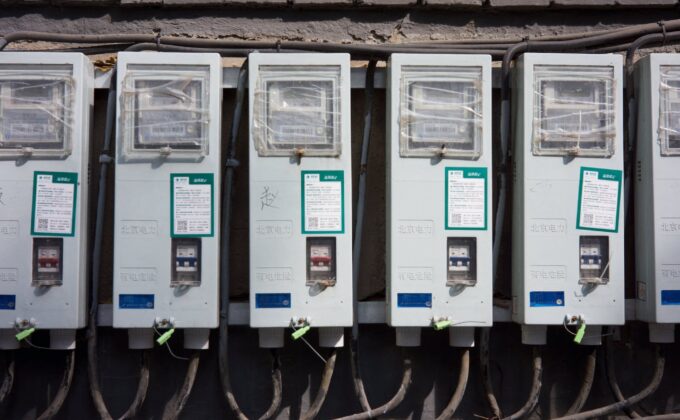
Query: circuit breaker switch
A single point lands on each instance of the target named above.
(47, 261)
(186, 262)
(594, 259)
(321, 264)
(461, 261)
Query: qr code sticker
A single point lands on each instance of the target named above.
(313, 222)
(457, 219)
(43, 224)
(588, 219)
(182, 226)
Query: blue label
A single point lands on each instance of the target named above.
(414, 300)
(135, 301)
(8, 302)
(546, 299)
(670, 297)
(272, 300)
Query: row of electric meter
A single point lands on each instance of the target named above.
(568, 253)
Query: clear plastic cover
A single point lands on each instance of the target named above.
(36, 110)
(669, 110)
(574, 111)
(165, 109)
(297, 111)
(441, 111)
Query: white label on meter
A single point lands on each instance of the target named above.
(598, 202)
(465, 193)
(323, 202)
(192, 204)
(54, 201)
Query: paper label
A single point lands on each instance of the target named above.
(54, 203)
(323, 202)
(598, 199)
(192, 203)
(465, 198)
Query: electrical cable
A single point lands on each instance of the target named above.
(484, 364)
(612, 380)
(457, 396)
(535, 392)
(277, 387)
(320, 397)
(174, 406)
(92, 368)
(620, 405)
(586, 384)
(8, 380)
(64, 387)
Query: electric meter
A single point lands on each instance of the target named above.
(568, 258)
(300, 195)
(657, 217)
(439, 153)
(45, 105)
(166, 250)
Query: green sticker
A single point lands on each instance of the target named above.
(580, 333)
(53, 210)
(300, 332)
(599, 199)
(465, 198)
(192, 205)
(323, 201)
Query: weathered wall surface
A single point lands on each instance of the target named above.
(435, 364)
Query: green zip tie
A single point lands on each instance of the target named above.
(300, 332)
(22, 335)
(165, 336)
(579, 334)
(438, 326)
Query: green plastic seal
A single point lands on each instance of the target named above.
(438, 326)
(580, 333)
(165, 336)
(300, 332)
(22, 335)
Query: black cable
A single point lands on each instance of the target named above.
(612, 380)
(620, 405)
(8, 380)
(457, 396)
(325, 384)
(535, 392)
(586, 383)
(176, 404)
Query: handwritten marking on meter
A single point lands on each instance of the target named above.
(54, 203)
(466, 204)
(598, 199)
(323, 202)
(192, 202)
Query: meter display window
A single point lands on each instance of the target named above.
(669, 110)
(441, 112)
(297, 111)
(165, 109)
(36, 107)
(574, 111)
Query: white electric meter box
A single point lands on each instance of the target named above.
(166, 249)
(568, 218)
(46, 102)
(439, 186)
(657, 204)
(300, 195)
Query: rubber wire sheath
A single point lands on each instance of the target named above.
(457, 396)
(610, 369)
(325, 384)
(176, 404)
(486, 373)
(64, 387)
(532, 401)
(8, 380)
(586, 384)
(620, 405)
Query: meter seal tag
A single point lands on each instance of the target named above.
(466, 191)
(192, 203)
(54, 203)
(323, 202)
(599, 199)
(580, 333)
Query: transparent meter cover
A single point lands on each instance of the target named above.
(441, 111)
(36, 110)
(165, 110)
(669, 110)
(574, 111)
(297, 111)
